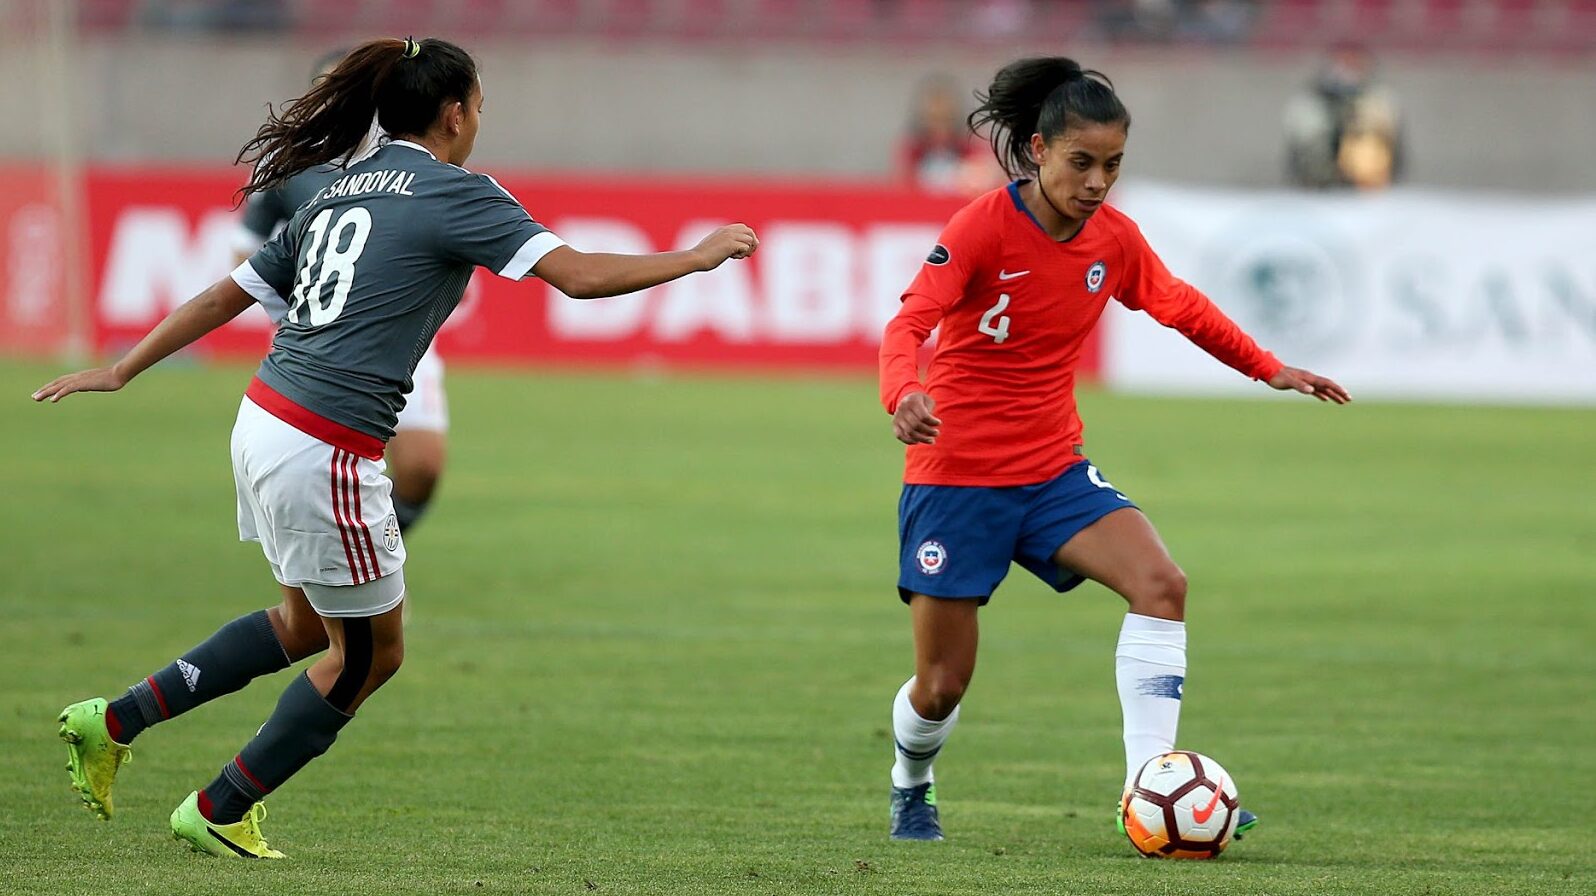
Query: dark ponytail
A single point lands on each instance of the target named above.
(1041, 95)
(403, 84)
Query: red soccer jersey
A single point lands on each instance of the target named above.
(1015, 306)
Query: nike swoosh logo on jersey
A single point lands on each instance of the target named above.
(1202, 815)
(1005, 275)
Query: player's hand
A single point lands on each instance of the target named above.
(731, 241)
(1308, 383)
(913, 423)
(100, 379)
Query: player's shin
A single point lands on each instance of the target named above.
(1150, 669)
(302, 727)
(237, 653)
(916, 740)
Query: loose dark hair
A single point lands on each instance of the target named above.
(1041, 95)
(404, 84)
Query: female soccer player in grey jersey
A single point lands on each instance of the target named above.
(416, 454)
(362, 277)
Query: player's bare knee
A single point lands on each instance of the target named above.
(940, 692)
(1162, 593)
(385, 663)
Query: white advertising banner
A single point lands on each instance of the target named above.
(1406, 294)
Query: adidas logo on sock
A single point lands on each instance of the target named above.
(191, 674)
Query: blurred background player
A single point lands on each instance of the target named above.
(361, 278)
(937, 153)
(416, 453)
(996, 469)
(1344, 129)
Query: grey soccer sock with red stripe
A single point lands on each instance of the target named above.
(237, 653)
(302, 727)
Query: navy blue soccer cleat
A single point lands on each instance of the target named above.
(914, 813)
(1245, 821)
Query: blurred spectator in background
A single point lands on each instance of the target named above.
(1216, 21)
(215, 15)
(1137, 19)
(1344, 130)
(938, 154)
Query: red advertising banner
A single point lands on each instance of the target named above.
(33, 308)
(157, 237)
(833, 260)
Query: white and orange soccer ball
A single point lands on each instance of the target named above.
(1181, 805)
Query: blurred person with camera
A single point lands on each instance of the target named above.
(1344, 129)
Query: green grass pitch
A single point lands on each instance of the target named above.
(654, 642)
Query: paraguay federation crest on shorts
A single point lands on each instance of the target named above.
(931, 556)
(390, 533)
(1095, 276)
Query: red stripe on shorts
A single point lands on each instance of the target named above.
(351, 510)
(360, 518)
(351, 503)
(338, 517)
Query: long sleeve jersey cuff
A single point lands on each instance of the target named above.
(892, 401)
(900, 348)
(1267, 367)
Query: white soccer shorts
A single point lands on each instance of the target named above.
(426, 407)
(322, 515)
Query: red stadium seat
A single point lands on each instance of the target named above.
(696, 19)
(1289, 23)
(546, 18)
(477, 17)
(1061, 22)
(324, 19)
(850, 20)
(98, 15)
(778, 20)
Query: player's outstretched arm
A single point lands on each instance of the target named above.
(218, 304)
(1309, 383)
(595, 275)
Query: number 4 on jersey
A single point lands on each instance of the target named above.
(993, 325)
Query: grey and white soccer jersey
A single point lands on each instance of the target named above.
(361, 277)
(367, 271)
(426, 405)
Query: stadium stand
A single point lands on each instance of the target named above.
(1418, 26)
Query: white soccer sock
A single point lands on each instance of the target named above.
(916, 740)
(1150, 668)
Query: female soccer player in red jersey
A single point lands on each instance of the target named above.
(362, 277)
(996, 471)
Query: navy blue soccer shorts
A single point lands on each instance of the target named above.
(958, 541)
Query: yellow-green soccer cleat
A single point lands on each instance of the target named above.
(92, 756)
(241, 840)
